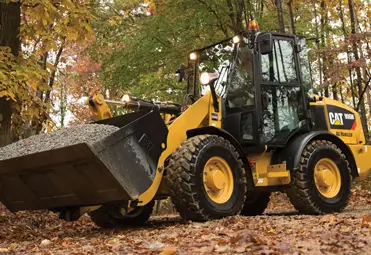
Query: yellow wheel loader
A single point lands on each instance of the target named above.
(251, 125)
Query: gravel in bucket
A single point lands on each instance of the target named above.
(89, 133)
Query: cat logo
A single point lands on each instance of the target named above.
(336, 119)
(340, 118)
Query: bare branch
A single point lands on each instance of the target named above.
(221, 24)
(56, 62)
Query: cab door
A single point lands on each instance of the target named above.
(282, 109)
(240, 97)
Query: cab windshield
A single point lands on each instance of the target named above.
(233, 63)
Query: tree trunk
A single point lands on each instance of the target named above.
(358, 69)
(261, 9)
(364, 68)
(345, 33)
(291, 17)
(352, 90)
(10, 20)
(280, 16)
(341, 94)
(317, 44)
(324, 21)
(335, 92)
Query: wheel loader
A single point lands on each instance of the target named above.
(250, 125)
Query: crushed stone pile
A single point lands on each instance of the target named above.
(89, 133)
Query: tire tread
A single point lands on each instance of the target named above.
(183, 195)
(299, 193)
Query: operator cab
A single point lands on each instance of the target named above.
(262, 79)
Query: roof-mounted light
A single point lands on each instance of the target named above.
(253, 25)
(193, 56)
(126, 98)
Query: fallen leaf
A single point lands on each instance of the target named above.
(221, 248)
(168, 251)
(328, 218)
(204, 249)
(240, 249)
(155, 245)
(366, 221)
(46, 243)
(284, 248)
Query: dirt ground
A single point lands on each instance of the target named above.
(279, 231)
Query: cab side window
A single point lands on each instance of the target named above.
(279, 66)
(241, 91)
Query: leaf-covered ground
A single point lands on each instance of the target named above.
(280, 231)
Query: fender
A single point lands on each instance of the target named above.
(210, 130)
(291, 153)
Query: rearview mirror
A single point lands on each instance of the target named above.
(181, 73)
(301, 44)
(265, 43)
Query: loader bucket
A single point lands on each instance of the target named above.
(118, 167)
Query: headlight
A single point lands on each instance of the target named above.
(193, 56)
(208, 78)
(205, 78)
(126, 98)
(236, 39)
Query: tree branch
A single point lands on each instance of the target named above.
(363, 93)
(231, 14)
(52, 78)
(221, 24)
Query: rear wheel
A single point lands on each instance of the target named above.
(322, 182)
(207, 179)
(255, 203)
(108, 216)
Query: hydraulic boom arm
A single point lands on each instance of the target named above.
(100, 110)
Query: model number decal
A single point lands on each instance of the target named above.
(349, 116)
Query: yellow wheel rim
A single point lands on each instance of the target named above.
(218, 180)
(327, 178)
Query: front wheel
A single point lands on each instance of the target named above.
(322, 182)
(207, 179)
(107, 216)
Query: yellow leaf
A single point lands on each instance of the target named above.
(44, 21)
(168, 251)
(51, 67)
(33, 85)
(72, 35)
(66, 20)
(88, 28)
(7, 93)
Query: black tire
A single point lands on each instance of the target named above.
(304, 194)
(106, 216)
(185, 175)
(255, 203)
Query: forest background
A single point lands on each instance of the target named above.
(54, 52)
